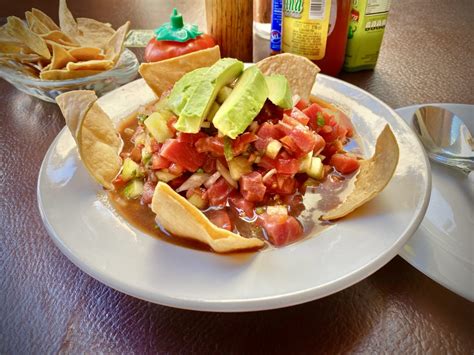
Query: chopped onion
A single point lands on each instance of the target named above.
(253, 127)
(269, 174)
(195, 180)
(295, 99)
(226, 174)
(277, 210)
(212, 180)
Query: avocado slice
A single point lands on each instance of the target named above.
(243, 104)
(197, 107)
(279, 91)
(184, 88)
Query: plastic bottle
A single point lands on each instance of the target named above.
(366, 29)
(317, 29)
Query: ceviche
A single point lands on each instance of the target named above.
(231, 157)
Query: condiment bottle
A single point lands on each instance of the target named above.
(176, 38)
(366, 29)
(317, 29)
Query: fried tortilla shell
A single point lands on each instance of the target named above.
(374, 174)
(183, 219)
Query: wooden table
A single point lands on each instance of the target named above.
(49, 305)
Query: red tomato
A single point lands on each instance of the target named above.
(281, 229)
(252, 187)
(214, 145)
(158, 162)
(281, 184)
(241, 205)
(299, 115)
(220, 218)
(240, 144)
(182, 154)
(301, 105)
(218, 193)
(160, 50)
(190, 138)
(344, 163)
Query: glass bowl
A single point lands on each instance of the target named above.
(124, 71)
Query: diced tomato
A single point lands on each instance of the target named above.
(175, 169)
(158, 162)
(344, 163)
(281, 184)
(269, 130)
(299, 115)
(209, 165)
(175, 183)
(281, 229)
(220, 218)
(301, 104)
(304, 139)
(155, 146)
(330, 149)
(148, 191)
(214, 145)
(118, 182)
(190, 138)
(319, 143)
(283, 165)
(240, 144)
(219, 192)
(183, 154)
(252, 187)
(242, 205)
(136, 153)
(171, 123)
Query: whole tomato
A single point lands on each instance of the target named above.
(160, 50)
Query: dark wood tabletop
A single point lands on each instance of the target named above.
(48, 305)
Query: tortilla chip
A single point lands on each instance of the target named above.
(86, 53)
(61, 38)
(299, 71)
(6, 47)
(17, 29)
(161, 76)
(93, 33)
(114, 46)
(91, 65)
(63, 74)
(45, 19)
(178, 216)
(374, 174)
(67, 23)
(99, 144)
(60, 58)
(34, 24)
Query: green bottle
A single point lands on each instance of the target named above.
(366, 29)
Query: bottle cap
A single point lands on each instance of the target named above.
(176, 30)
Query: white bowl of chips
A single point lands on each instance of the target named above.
(44, 59)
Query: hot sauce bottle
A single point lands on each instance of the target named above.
(317, 29)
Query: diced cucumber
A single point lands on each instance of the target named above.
(239, 166)
(197, 201)
(273, 148)
(146, 156)
(223, 94)
(134, 189)
(316, 170)
(305, 163)
(130, 170)
(165, 176)
(157, 125)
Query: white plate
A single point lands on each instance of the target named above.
(91, 234)
(442, 247)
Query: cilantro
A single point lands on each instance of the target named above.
(141, 117)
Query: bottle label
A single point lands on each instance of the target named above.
(275, 33)
(305, 27)
(366, 29)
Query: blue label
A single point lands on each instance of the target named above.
(275, 33)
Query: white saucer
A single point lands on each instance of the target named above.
(442, 248)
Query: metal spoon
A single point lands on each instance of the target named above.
(446, 138)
